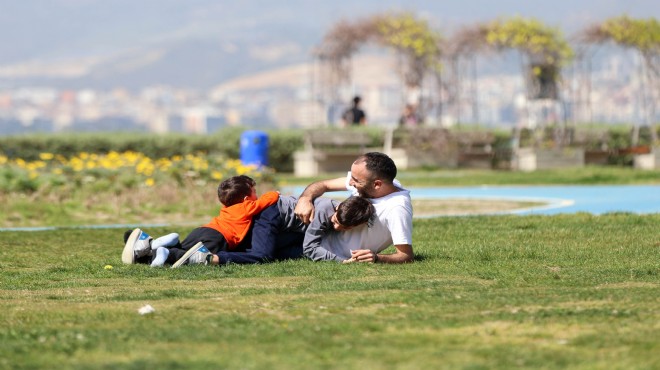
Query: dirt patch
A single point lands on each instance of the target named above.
(446, 207)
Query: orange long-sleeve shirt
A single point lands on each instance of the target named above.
(234, 222)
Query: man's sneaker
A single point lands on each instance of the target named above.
(137, 245)
(195, 255)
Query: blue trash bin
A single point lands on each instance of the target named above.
(254, 148)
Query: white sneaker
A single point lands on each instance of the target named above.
(195, 255)
(137, 245)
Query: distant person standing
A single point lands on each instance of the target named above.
(410, 117)
(355, 115)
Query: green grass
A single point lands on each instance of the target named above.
(192, 204)
(550, 292)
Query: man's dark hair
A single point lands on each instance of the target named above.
(355, 211)
(379, 165)
(234, 189)
(357, 100)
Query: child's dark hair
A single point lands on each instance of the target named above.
(355, 211)
(235, 189)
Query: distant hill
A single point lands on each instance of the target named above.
(203, 43)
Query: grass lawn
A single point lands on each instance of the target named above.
(498, 292)
(167, 204)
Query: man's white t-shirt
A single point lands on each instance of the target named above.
(393, 225)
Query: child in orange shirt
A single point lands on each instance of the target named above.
(223, 233)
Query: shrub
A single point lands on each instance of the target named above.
(117, 172)
(223, 143)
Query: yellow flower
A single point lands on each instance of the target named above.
(131, 157)
(242, 170)
(33, 166)
(77, 164)
(145, 167)
(149, 182)
(163, 164)
(46, 156)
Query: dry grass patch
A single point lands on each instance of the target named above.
(461, 207)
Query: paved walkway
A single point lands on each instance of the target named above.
(595, 199)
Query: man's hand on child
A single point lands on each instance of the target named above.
(305, 210)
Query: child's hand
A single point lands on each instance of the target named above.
(363, 255)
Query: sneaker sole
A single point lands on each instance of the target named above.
(187, 255)
(128, 256)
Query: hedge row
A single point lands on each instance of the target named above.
(226, 142)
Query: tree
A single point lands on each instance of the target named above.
(642, 35)
(544, 47)
(544, 53)
(415, 43)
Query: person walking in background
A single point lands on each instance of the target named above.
(355, 115)
(410, 117)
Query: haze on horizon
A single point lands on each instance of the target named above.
(201, 43)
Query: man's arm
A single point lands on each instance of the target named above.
(305, 206)
(403, 254)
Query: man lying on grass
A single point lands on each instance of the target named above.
(331, 217)
(372, 176)
(219, 241)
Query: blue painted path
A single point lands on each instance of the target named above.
(595, 199)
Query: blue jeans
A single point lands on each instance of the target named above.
(269, 242)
